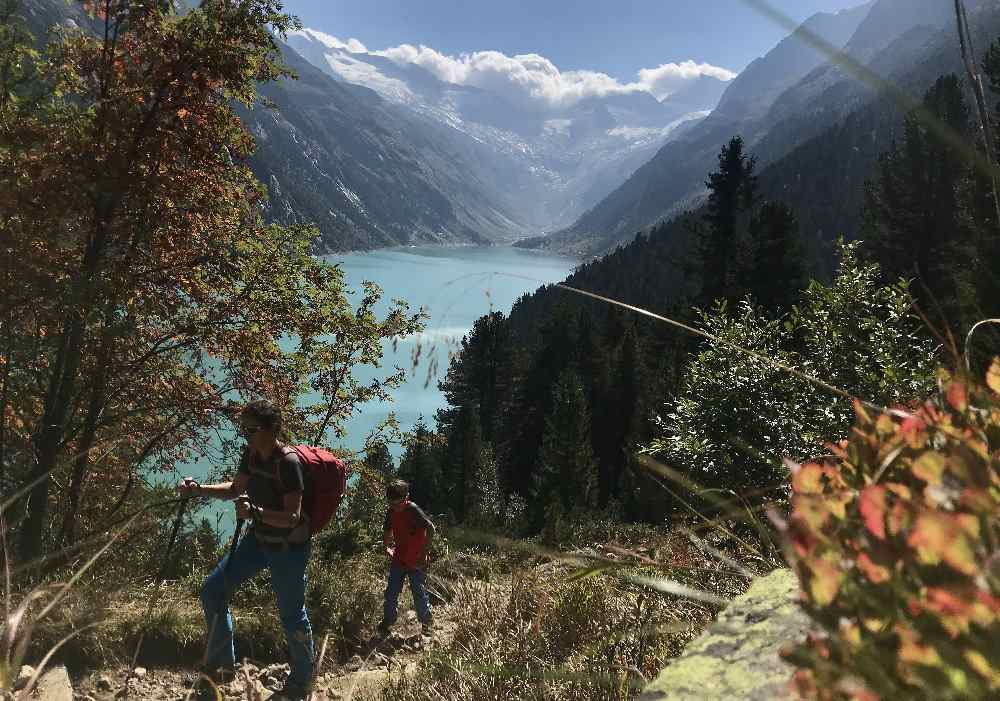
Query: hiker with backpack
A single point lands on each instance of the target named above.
(288, 493)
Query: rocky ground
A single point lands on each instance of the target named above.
(361, 677)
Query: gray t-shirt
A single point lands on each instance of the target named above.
(271, 480)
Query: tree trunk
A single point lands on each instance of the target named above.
(48, 440)
(982, 111)
(95, 407)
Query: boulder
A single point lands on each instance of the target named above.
(54, 685)
(27, 671)
(736, 659)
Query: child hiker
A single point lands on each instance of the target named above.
(407, 537)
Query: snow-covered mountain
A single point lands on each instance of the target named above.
(555, 159)
(778, 103)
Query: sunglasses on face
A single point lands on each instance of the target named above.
(248, 430)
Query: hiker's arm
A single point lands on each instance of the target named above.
(387, 540)
(289, 517)
(222, 490)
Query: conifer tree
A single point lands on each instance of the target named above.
(484, 500)
(913, 211)
(777, 274)
(461, 462)
(480, 374)
(366, 504)
(524, 420)
(567, 469)
(723, 252)
(419, 466)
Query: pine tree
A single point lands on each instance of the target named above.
(913, 219)
(524, 419)
(567, 471)
(777, 276)
(480, 375)
(462, 461)
(366, 504)
(419, 466)
(732, 193)
(484, 500)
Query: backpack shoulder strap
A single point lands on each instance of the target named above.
(283, 450)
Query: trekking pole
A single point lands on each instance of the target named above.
(225, 589)
(157, 581)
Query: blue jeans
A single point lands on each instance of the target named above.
(420, 601)
(288, 581)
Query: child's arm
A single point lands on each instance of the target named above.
(387, 539)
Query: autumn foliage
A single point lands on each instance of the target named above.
(140, 290)
(895, 542)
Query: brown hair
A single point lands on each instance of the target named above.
(264, 413)
(397, 489)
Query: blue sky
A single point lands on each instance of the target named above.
(617, 37)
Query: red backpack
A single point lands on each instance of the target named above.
(326, 476)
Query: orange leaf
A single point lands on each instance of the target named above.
(812, 510)
(958, 396)
(825, 581)
(872, 507)
(938, 536)
(993, 376)
(874, 572)
(912, 651)
(807, 479)
(983, 668)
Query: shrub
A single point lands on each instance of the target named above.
(896, 546)
(737, 416)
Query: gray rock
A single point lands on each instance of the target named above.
(54, 685)
(736, 659)
(23, 676)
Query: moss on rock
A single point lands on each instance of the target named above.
(736, 659)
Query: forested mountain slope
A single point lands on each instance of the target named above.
(912, 49)
(333, 155)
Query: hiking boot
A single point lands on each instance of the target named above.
(383, 630)
(208, 683)
(290, 692)
(427, 629)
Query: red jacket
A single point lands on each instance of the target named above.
(409, 529)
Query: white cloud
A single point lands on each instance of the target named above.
(668, 77)
(646, 133)
(527, 79)
(534, 77)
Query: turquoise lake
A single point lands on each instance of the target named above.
(455, 286)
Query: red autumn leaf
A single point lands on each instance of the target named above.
(958, 396)
(914, 430)
(946, 603)
(874, 572)
(872, 506)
